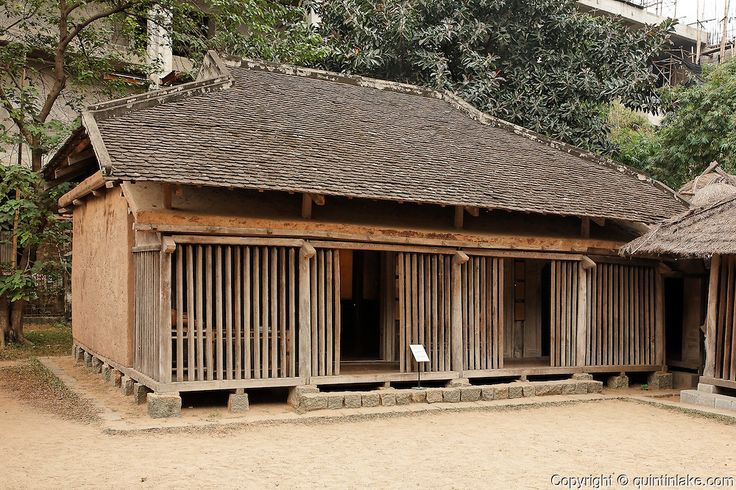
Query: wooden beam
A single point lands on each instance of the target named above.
(164, 371)
(171, 222)
(599, 221)
(307, 200)
(659, 347)
(81, 156)
(456, 325)
(168, 195)
(473, 211)
(585, 227)
(582, 323)
(91, 183)
(306, 252)
(711, 317)
(460, 214)
(587, 263)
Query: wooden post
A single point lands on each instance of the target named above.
(164, 358)
(711, 317)
(458, 260)
(306, 252)
(168, 195)
(659, 348)
(585, 227)
(582, 323)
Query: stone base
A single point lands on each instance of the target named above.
(163, 405)
(710, 400)
(582, 376)
(79, 356)
(238, 403)
(309, 398)
(140, 393)
(660, 381)
(106, 373)
(126, 385)
(117, 378)
(88, 359)
(458, 382)
(617, 382)
(296, 392)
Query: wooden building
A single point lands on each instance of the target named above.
(278, 226)
(706, 233)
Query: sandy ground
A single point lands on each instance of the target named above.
(513, 449)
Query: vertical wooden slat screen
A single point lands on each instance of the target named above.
(424, 309)
(233, 312)
(482, 312)
(147, 312)
(621, 315)
(725, 341)
(325, 304)
(564, 277)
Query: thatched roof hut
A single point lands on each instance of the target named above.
(710, 187)
(700, 232)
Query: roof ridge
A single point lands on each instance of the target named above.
(213, 74)
(460, 104)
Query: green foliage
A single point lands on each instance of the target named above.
(699, 126)
(55, 51)
(633, 138)
(541, 63)
(29, 207)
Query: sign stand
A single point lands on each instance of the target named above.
(420, 356)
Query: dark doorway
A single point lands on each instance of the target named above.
(360, 305)
(527, 332)
(674, 300)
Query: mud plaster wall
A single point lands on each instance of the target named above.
(102, 277)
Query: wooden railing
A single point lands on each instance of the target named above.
(233, 312)
(482, 312)
(147, 310)
(424, 308)
(234, 309)
(724, 297)
(325, 312)
(565, 324)
(623, 317)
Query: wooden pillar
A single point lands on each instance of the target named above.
(659, 346)
(711, 317)
(582, 323)
(458, 260)
(306, 252)
(164, 357)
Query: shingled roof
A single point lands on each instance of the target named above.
(700, 232)
(282, 128)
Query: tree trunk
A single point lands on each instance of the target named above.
(36, 158)
(16, 321)
(4, 320)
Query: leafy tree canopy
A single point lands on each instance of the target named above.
(699, 126)
(538, 63)
(53, 49)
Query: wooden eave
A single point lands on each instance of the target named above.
(83, 189)
(177, 221)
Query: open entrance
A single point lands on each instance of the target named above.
(367, 304)
(527, 332)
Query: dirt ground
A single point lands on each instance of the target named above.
(521, 448)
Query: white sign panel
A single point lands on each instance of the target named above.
(420, 355)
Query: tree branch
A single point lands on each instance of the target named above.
(65, 37)
(8, 106)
